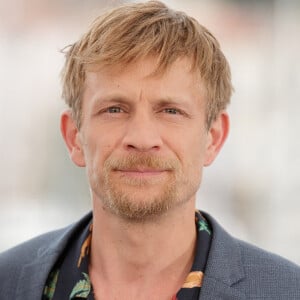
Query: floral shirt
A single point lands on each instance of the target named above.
(69, 278)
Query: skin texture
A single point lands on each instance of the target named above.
(144, 144)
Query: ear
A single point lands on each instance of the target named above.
(71, 136)
(217, 135)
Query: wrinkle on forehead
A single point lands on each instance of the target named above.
(146, 82)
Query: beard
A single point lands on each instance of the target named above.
(139, 199)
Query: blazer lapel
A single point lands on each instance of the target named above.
(33, 277)
(224, 266)
(217, 290)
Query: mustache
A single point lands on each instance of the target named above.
(141, 161)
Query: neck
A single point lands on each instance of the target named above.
(143, 254)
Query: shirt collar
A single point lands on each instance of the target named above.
(69, 278)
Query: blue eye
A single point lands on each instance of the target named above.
(114, 110)
(172, 111)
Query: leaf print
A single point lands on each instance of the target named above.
(82, 288)
(85, 248)
(51, 285)
(194, 279)
(203, 226)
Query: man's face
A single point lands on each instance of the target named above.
(143, 138)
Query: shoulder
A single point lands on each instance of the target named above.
(268, 274)
(25, 252)
(14, 262)
(257, 273)
(265, 265)
(258, 258)
(39, 252)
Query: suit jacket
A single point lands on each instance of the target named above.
(235, 270)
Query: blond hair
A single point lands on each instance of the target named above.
(137, 30)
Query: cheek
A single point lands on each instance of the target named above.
(193, 160)
(194, 149)
(97, 151)
(92, 151)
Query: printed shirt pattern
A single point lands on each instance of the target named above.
(69, 278)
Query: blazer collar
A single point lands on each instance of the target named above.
(33, 276)
(224, 266)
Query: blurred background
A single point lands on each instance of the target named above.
(253, 186)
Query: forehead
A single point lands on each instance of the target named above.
(177, 80)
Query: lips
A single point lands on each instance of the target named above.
(141, 170)
(140, 173)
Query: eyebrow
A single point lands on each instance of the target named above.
(174, 101)
(111, 98)
(121, 99)
(171, 101)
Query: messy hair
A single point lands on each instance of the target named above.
(135, 31)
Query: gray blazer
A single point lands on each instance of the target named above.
(235, 269)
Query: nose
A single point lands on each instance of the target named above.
(142, 134)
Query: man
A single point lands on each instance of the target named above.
(147, 89)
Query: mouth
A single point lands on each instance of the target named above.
(141, 172)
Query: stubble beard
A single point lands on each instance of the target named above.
(125, 197)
